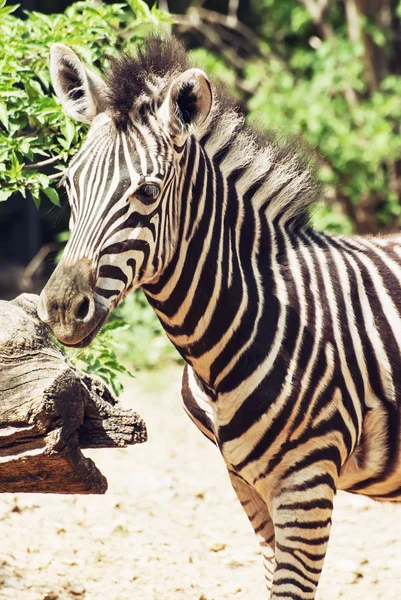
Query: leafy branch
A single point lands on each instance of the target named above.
(36, 138)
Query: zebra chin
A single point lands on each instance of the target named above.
(87, 340)
(77, 335)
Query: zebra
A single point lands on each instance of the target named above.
(291, 337)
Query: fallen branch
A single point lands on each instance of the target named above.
(49, 411)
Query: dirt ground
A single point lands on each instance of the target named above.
(170, 526)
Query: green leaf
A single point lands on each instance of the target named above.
(114, 324)
(36, 197)
(7, 10)
(3, 115)
(53, 196)
(142, 11)
(69, 132)
(16, 167)
(42, 180)
(4, 195)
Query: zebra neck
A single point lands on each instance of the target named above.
(213, 294)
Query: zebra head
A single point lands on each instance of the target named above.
(124, 184)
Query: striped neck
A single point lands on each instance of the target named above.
(214, 293)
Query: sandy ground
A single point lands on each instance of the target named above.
(170, 527)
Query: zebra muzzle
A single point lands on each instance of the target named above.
(69, 305)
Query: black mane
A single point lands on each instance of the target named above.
(131, 75)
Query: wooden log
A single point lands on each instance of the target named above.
(49, 411)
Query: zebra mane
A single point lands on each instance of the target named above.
(282, 171)
(139, 76)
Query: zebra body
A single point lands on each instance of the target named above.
(291, 337)
(362, 404)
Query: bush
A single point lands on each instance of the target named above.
(143, 344)
(33, 126)
(329, 71)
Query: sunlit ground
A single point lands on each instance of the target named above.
(170, 526)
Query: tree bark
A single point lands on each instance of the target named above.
(317, 10)
(49, 411)
(379, 13)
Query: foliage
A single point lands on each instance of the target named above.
(132, 336)
(33, 127)
(334, 80)
(143, 344)
(101, 358)
(326, 95)
(357, 143)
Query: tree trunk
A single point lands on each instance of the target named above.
(378, 12)
(49, 410)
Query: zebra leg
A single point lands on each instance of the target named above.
(259, 516)
(196, 404)
(302, 521)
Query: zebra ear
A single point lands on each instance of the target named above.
(81, 92)
(187, 104)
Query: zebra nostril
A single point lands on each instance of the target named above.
(82, 310)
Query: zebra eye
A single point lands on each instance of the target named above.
(148, 192)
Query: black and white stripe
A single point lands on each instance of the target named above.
(292, 337)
